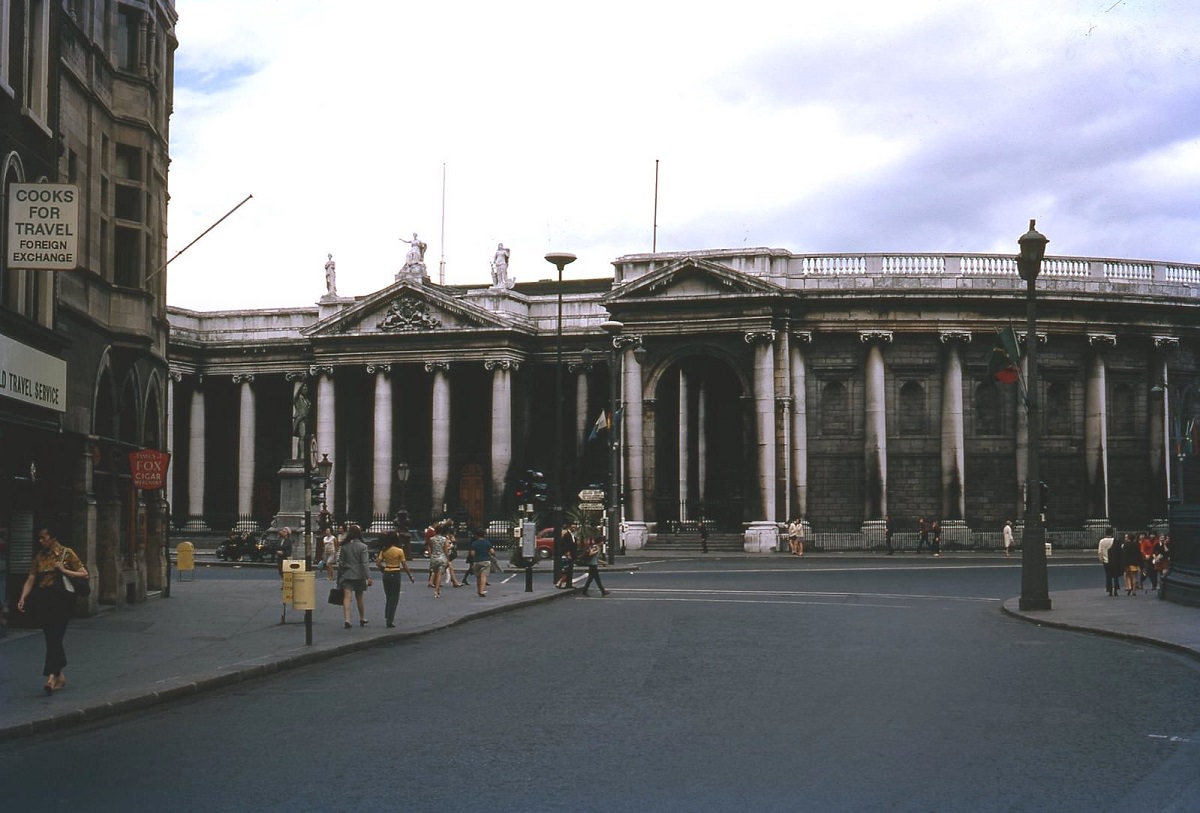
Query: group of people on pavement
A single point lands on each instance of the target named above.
(572, 551)
(1132, 561)
(929, 535)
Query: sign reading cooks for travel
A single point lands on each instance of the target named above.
(43, 226)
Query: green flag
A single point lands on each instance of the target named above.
(1002, 363)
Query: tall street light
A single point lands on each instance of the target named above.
(560, 260)
(614, 448)
(1035, 588)
(403, 470)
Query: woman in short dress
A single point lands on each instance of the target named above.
(439, 557)
(1131, 558)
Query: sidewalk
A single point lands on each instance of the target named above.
(217, 631)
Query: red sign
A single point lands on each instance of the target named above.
(149, 468)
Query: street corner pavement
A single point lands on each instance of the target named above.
(217, 631)
(1142, 617)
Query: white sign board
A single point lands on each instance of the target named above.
(32, 376)
(43, 226)
(591, 494)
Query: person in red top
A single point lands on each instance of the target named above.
(1146, 544)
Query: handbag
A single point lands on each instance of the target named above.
(336, 596)
(76, 585)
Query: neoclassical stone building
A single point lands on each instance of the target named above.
(756, 385)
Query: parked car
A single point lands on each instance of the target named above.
(545, 543)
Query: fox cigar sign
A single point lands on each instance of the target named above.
(149, 468)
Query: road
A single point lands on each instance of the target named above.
(786, 684)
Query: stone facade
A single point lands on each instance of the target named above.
(755, 385)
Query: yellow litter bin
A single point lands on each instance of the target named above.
(185, 558)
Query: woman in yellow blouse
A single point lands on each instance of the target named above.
(393, 562)
(51, 603)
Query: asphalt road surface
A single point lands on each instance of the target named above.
(716, 685)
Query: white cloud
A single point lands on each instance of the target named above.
(857, 126)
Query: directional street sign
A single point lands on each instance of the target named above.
(591, 494)
(591, 506)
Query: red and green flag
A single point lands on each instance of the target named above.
(1002, 364)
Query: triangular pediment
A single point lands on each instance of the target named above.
(693, 277)
(406, 307)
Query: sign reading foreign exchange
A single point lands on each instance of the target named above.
(43, 226)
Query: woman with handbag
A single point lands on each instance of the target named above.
(54, 566)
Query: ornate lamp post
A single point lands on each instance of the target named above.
(614, 442)
(560, 260)
(403, 470)
(1035, 590)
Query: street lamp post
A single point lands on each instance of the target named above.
(1035, 590)
(403, 470)
(560, 260)
(614, 449)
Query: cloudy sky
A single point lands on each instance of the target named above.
(855, 126)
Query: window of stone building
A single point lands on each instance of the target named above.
(36, 88)
(913, 409)
(1057, 410)
(127, 257)
(835, 409)
(5, 51)
(1121, 411)
(128, 46)
(128, 203)
(988, 398)
(128, 163)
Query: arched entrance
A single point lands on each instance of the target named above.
(700, 445)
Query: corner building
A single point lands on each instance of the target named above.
(754, 386)
(85, 99)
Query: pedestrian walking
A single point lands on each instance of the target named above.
(922, 534)
(888, 530)
(329, 549)
(1131, 561)
(439, 557)
(47, 594)
(590, 554)
(794, 533)
(1008, 537)
(935, 538)
(393, 561)
(1103, 552)
(703, 537)
(1146, 545)
(481, 555)
(354, 574)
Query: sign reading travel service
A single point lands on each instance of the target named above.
(29, 375)
(43, 226)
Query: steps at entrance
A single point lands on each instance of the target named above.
(691, 542)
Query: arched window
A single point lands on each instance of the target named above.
(835, 409)
(912, 409)
(987, 408)
(1121, 411)
(1058, 408)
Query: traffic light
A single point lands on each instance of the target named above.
(532, 488)
(1044, 493)
(318, 489)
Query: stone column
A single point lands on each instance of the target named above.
(683, 461)
(173, 378)
(633, 439)
(582, 425)
(1160, 441)
(799, 419)
(875, 428)
(501, 426)
(1095, 431)
(381, 465)
(440, 434)
(953, 469)
(326, 436)
(783, 424)
(1022, 444)
(763, 535)
(196, 430)
(246, 437)
(701, 443)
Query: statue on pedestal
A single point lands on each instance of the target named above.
(300, 411)
(414, 261)
(500, 268)
(330, 278)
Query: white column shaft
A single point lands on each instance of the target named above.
(632, 434)
(684, 461)
(875, 451)
(799, 436)
(246, 432)
(953, 490)
(501, 432)
(196, 430)
(440, 436)
(1095, 437)
(764, 408)
(381, 486)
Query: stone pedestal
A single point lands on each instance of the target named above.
(761, 537)
(874, 534)
(635, 534)
(291, 499)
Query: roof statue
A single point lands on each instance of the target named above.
(330, 279)
(414, 261)
(500, 277)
